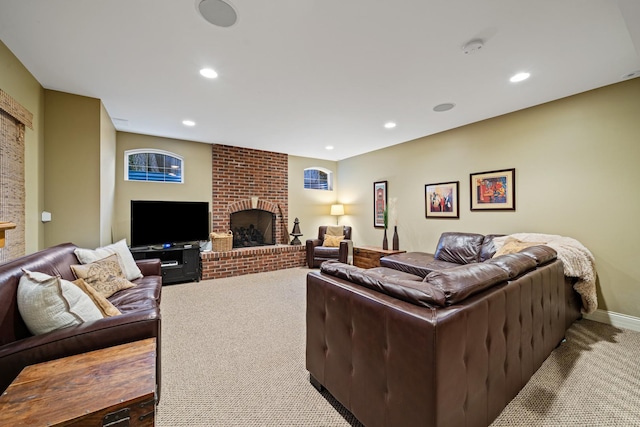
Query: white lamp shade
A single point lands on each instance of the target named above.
(337, 210)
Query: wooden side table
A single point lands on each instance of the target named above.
(114, 386)
(369, 256)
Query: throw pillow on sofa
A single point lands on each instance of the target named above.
(105, 275)
(47, 303)
(104, 305)
(512, 246)
(129, 266)
(332, 241)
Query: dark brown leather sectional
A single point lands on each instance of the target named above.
(140, 318)
(449, 346)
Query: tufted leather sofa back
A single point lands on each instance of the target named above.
(393, 363)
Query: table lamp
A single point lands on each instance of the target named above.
(337, 210)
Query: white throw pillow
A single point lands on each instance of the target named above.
(47, 303)
(129, 266)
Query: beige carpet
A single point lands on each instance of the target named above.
(233, 355)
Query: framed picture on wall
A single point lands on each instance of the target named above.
(493, 190)
(441, 200)
(379, 203)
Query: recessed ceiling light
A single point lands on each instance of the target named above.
(208, 73)
(188, 123)
(218, 12)
(444, 107)
(329, 147)
(390, 125)
(519, 77)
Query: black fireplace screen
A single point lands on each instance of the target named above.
(253, 227)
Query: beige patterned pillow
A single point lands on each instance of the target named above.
(104, 275)
(104, 305)
(129, 266)
(332, 241)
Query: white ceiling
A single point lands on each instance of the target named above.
(298, 75)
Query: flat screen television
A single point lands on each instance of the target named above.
(155, 222)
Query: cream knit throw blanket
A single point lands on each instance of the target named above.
(578, 262)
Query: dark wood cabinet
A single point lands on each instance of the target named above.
(114, 386)
(180, 263)
(369, 256)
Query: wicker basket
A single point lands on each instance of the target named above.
(221, 242)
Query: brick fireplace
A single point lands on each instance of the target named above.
(245, 179)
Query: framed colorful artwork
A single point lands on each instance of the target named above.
(493, 190)
(441, 200)
(379, 203)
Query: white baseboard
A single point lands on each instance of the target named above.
(615, 319)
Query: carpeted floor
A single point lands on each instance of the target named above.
(233, 355)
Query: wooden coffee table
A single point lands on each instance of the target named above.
(114, 386)
(369, 256)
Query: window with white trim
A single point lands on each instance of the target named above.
(318, 179)
(151, 165)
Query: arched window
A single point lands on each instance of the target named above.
(318, 179)
(151, 165)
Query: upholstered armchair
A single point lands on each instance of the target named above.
(336, 249)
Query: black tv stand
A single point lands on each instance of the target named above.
(180, 263)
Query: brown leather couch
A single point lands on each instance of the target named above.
(453, 249)
(450, 348)
(317, 254)
(140, 318)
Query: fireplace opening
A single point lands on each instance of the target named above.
(253, 227)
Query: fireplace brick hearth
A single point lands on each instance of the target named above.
(243, 179)
(237, 262)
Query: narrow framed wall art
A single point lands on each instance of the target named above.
(379, 203)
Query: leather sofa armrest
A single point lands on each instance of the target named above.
(311, 244)
(314, 242)
(345, 254)
(150, 267)
(82, 338)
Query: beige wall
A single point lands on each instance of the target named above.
(311, 207)
(107, 175)
(16, 81)
(72, 169)
(197, 177)
(577, 173)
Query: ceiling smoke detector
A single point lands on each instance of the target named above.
(473, 46)
(217, 12)
(631, 75)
